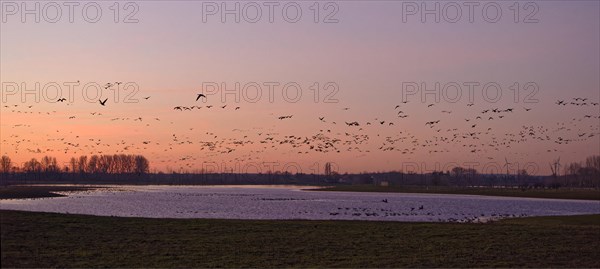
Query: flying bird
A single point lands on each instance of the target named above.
(200, 95)
(103, 102)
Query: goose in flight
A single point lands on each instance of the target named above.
(200, 95)
(103, 102)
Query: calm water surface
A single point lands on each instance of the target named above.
(289, 202)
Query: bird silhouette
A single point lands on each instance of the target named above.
(103, 102)
(200, 95)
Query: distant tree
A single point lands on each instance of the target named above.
(105, 163)
(572, 174)
(92, 165)
(573, 168)
(463, 175)
(32, 166)
(142, 165)
(5, 164)
(592, 170)
(82, 164)
(49, 164)
(74, 165)
(593, 162)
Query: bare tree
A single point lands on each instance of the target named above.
(5, 164)
(141, 164)
(92, 166)
(593, 162)
(32, 166)
(82, 165)
(74, 165)
(49, 164)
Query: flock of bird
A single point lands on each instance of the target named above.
(479, 135)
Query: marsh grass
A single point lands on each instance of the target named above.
(30, 239)
(579, 194)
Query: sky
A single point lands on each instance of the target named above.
(354, 61)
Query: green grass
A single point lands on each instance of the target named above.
(580, 194)
(38, 191)
(31, 239)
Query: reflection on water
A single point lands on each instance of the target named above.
(290, 202)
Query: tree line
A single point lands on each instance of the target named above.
(95, 164)
(125, 168)
(580, 174)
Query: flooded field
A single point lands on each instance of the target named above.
(291, 202)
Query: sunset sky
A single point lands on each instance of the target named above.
(369, 53)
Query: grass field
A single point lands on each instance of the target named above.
(38, 191)
(31, 239)
(579, 194)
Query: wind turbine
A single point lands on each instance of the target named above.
(507, 164)
(557, 166)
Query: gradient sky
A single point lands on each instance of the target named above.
(369, 53)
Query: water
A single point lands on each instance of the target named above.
(288, 202)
